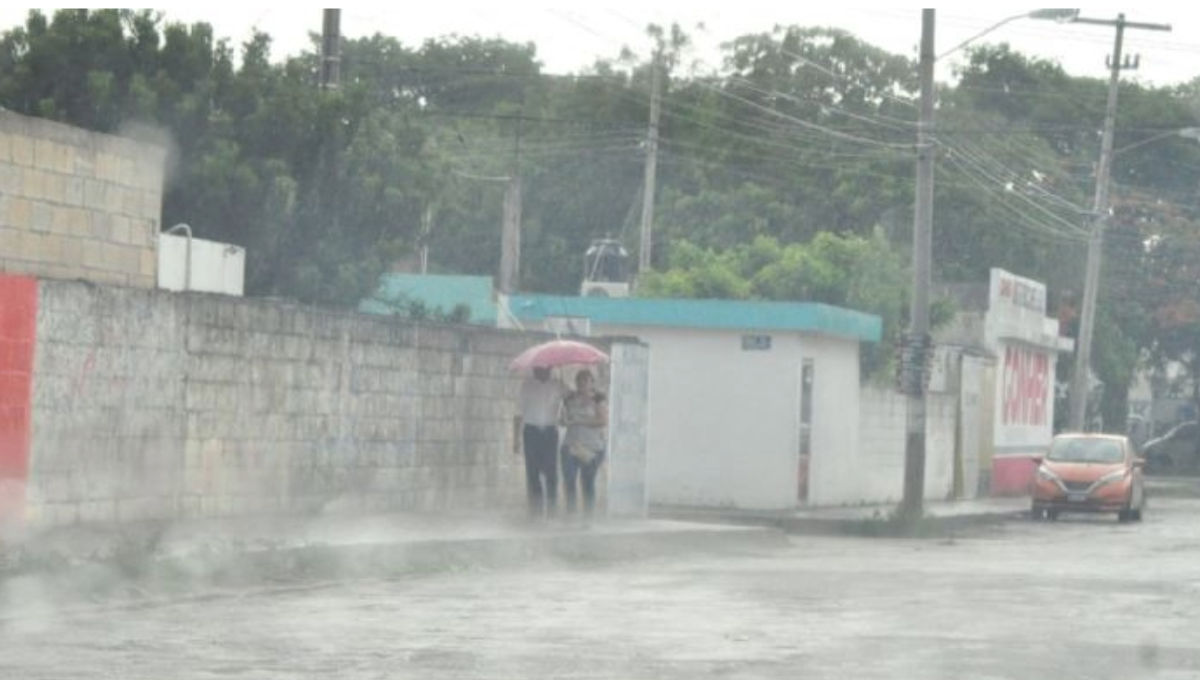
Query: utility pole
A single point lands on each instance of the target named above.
(651, 166)
(510, 248)
(917, 341)
(1078, 398)
(426, 228)
(510, 240)
(331, 48)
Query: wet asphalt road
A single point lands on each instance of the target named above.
(1080, 598)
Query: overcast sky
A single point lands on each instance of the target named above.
(570, 36)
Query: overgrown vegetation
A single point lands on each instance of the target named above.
(785, 175)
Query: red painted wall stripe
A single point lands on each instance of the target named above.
(18, 330)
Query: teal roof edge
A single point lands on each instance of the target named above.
(746, 315)
(442, 292)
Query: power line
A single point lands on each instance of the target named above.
(988, 164)
(895, 124)
(988, 184)
(842, 78)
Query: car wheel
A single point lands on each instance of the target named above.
(1052, 515)
(1037, 514)
(1123, 515)
(1135, 514)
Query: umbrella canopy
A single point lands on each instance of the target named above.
(558, 353)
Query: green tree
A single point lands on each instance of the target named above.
(849, 271)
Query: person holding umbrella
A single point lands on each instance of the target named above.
(540, 401)
(585, 413)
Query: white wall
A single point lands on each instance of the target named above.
(215, 267)
(627, 490)
(834, 473)
(880, 465)
(722, 420)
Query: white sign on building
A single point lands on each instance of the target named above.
(1026, 344)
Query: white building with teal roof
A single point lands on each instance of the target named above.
(752, 404)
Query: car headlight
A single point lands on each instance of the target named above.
(1114, 476)
(1046, 476)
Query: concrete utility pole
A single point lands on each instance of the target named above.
(510, 239)
(651, 167)
(918, 335)
(426, 229)
(1078, 398)
(331, 49)
(510, 243)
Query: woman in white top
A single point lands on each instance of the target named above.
(585, 413)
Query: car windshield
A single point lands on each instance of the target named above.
(1086, 451)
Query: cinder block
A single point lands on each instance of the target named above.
(131, 175)
(147, 266)
(106, 164)
(58, 514)
(85, 164)
(20, 213)
(60, 219)
(54, 188)
(10, 243)
(97, 511)
(151, 204)
(29, 246)
(94, 194)
(93, 257)
(120, 229)
(53, 250)
(113, 198)
(22, 150)
(111, 254)
(101, 225)
(43, 153)
(42, 219)
(131, 202)
(64, 159)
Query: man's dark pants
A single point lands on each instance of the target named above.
(541, 465)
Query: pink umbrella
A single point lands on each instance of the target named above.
(558, 353)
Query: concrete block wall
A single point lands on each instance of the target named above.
(883, 422)
(77, 204)
(155, 405)
(108, 405)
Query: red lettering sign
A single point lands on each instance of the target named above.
(1026, 387)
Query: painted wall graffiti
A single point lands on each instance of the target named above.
(1027, 384)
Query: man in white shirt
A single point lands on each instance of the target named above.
(540, 402)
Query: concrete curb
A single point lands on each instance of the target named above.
(239, 566)
(866, 525)
(1172, 487)
(930, 525)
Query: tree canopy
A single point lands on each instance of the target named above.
(785, 174)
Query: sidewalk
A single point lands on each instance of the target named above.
(245, 551)
(858, 519)
(1172, 487)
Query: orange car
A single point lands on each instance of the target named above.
(1089, 473)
